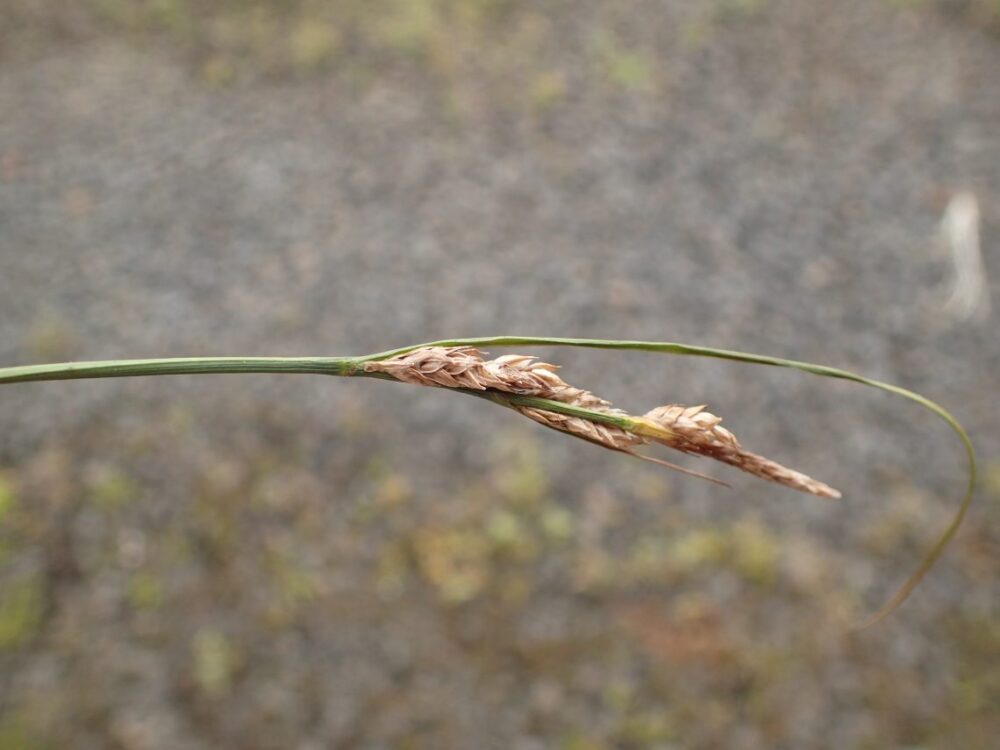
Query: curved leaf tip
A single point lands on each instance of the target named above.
(929, 559)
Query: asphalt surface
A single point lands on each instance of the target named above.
(777, 188)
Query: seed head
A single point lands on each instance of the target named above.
(689, 429)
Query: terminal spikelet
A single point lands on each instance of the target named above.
(464, 367)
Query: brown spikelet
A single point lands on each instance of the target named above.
(464, 367)
(689, 429)
(602, 434)
(694, 430)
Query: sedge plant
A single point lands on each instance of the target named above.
(534, 390)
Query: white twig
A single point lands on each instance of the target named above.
(969, 298)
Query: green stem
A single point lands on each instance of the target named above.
(123, 368)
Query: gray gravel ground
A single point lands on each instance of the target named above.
(775, 187)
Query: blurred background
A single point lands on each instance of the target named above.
(299, 562)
